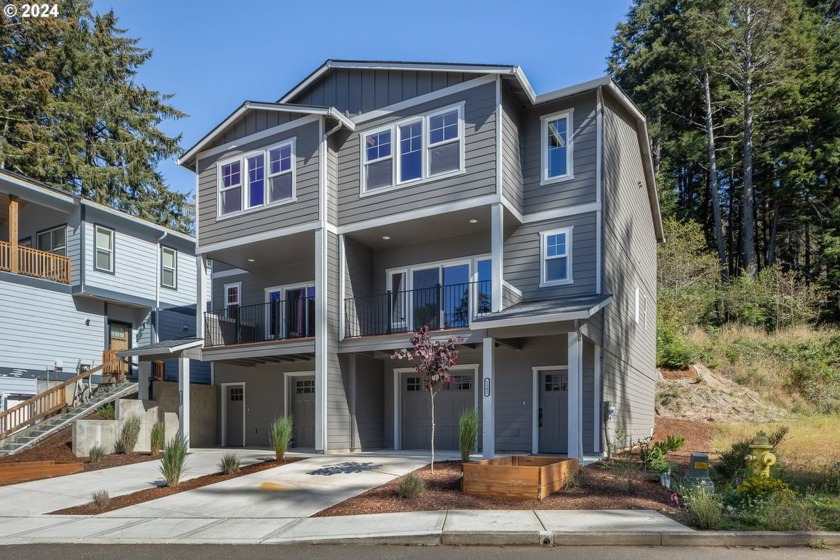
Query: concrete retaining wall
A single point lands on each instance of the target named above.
(203, 410)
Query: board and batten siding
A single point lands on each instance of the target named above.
(571, 192)
(41, 325)
(522, 258)
(512, 181)
(135, 268)
(252, 123)
(629, 371)
(479, 154)
(357, 91)
(304, 209)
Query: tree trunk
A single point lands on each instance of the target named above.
(432, 394)
(713, 177)
(771, 243)
(748, 198)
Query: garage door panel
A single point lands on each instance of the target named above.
(450, 402)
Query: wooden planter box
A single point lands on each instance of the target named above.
(518, 477)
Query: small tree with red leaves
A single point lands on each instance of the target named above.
(432, 361)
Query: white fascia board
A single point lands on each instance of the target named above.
(572, 90)
(541, 319)
(20, 185)
(523, 81)
(161, 350)
(257, 237)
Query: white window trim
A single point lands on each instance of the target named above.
(174, 269)
(568, 114)
(395, 151)
(570, 277)
(50, 232)
(283, 296)
(245, 192)
(112, 251)
(238, 286)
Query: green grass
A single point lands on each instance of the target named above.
(281, 436)
(173, 461)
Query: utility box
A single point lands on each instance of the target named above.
(698, 473)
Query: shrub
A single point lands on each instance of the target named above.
(129, 434)
(174, 458)
(410, 487)
(229, 464)
(100, 499)
(96, 453)
(704, 509)
(281, 436)
(787, 513)
(106, 412)
(757, 490)
(671, 443)
(672, 351)
(468, 432)
(156, 438)
(732, 466)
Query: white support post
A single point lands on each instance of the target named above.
(321, 295)
(497, 244)
(488, 389)
(597, 399)
(184, 398)
(201, 296)
(575, 394)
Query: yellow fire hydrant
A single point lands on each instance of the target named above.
(760, 459)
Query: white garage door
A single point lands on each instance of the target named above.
(450, 402)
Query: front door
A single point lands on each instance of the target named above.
(234, 417)
(553, 412)
(303, 411)
(119, 338)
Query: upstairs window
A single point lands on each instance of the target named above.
(556, 262)
(414, 149)
(556, 147)
(104, 249)
(269, 178)
(168, 267)
(233, 297)
(53, 240)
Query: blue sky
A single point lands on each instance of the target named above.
(213, 54)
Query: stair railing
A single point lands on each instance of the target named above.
(40, 406)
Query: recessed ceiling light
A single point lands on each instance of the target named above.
(473, 221)
(250, 260)
(386, 237)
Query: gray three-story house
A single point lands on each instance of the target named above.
(377, 197)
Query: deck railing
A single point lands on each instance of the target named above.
(40, 406)
(263, 322)
(441, 307)
(35, 263)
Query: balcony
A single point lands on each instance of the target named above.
(265, 322)
(440, 307)
(34, 263)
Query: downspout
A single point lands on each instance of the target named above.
(156, 337)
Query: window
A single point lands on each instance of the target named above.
(236, 394)
(556, 382)
(53, 240)
(556, 263)
(414, 149)
(168, 267)
(233, 296)
(269, 179)
(556, 147)
(104, 249)
(304, 387)
(413, 384)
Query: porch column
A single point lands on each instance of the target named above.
(575, 394)
(497, 244)
(201, 295)
(597, 398)
(143, 380)
(321, 372)
(184, 398)
(14, 233)
(488, 388)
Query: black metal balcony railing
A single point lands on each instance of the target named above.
(440, 307)
(277, 320)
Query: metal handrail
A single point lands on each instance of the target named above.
(441, 307)
(263, 322)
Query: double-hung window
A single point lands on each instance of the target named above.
(168, 267)
(104, 249)
(556, 146)
(53, 240)
(257, 179)
(556, 261)
(233, 298)
(415, 149)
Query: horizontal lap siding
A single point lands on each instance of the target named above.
(522, 258)
(580, 189)
(135, 264)
(480, 163)
(332, 181)
(512, 186)
(338, 368)
(39, 326)
(369, 405)
(360, 91)
(303, 210)
(630, 262)
(253, 122)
